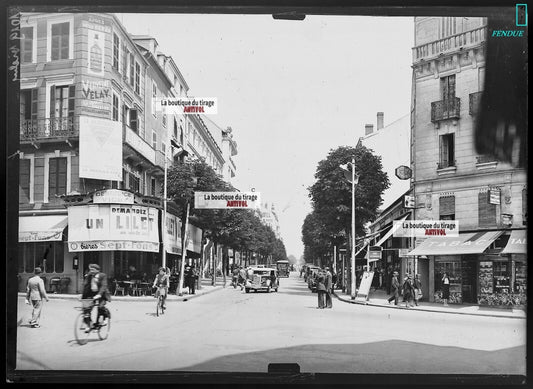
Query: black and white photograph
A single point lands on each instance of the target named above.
(255, 194)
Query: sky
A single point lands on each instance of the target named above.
(291, 90)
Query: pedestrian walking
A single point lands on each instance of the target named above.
(235, 277)
(395, 288)
(242, 277)
(445, 289)
(193, 276)
(329, 286)
(35, 293)
(417, 284)
(321, 289)
(408, 291)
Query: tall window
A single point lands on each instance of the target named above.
(447, 87)
(154, 140)
(152, 186)
(62, 101)
(175, 128)
(132, 70)
(32, 255)
(447, 208)
(24, 180)
(26, 44)
(447, 151)
(60, 41)
(164, 119)
(28, 104)
(125, 62)
(154, 97)
(134, 182)
(137, 78)
(486, 210)
(132, 119)
(116, 51)
(57, 177)
(115, 107)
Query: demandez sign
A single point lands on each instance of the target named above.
(103, 227)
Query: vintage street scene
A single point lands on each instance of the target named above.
(262, 193)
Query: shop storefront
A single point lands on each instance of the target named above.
(117, 233)
(485, 268)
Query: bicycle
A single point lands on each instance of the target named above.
(159, 308)
(101, 323)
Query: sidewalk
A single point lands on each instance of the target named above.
(206, 289)
(378, 298)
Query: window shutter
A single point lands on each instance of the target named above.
(133, 120)
(52, 178)
(71, 100)
(24, 181)
(447, 205)
(451, 87)
(34, 102)
(52, 101)
(486, 211)
(61, 176)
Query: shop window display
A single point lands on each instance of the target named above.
(495, 283)
(453, 270)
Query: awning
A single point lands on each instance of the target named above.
(517, 243)
(390, 232)
(43, 228)
(465, 243)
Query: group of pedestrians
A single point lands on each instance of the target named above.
(324, 289)
(411, 290)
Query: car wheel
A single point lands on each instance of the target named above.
(247, 290)
(276, 290)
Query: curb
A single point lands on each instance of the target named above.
(171, 297)
(426, 310)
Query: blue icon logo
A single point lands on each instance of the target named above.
(521, 15)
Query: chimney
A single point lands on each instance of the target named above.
(369, 128)
(380, 121)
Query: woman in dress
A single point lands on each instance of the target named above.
(418, 288)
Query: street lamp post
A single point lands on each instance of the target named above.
(354, 180)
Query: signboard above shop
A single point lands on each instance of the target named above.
(113, 196)
(227, 200)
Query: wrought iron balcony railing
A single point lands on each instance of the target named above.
(446, 109)
(49, 129)
(474, 102)
(485, 159)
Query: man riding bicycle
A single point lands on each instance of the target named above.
(95, 287)
(162, 281)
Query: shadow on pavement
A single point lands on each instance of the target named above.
(383, 357)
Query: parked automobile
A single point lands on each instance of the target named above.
(262, 278)
(308, 269)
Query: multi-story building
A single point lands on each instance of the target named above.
(269, 218)
(392, 143)
(486, 263)
(93, 146)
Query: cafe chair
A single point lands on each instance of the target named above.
(118, 288)
(64, 282)
(135, 290)
(54, 285)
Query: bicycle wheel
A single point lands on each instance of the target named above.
(81, 336)
(104, 327)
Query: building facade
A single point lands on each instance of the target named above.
(93, 148)
(486, 263)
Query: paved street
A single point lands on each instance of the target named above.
(229, 330)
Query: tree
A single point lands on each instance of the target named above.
(331, 197)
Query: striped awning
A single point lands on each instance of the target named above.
(465, 243)
(390, 232)
(517, 243)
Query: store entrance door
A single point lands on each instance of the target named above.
(469, 281)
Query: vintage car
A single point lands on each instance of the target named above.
(309, 269)
(262, 278)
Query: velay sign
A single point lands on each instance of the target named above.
(226, 200)
(103, 227)
(425, 228)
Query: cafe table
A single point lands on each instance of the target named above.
(129, 286)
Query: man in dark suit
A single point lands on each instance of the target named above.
(395, 288)
(95, 287)
(329, 286)
(321, 289)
